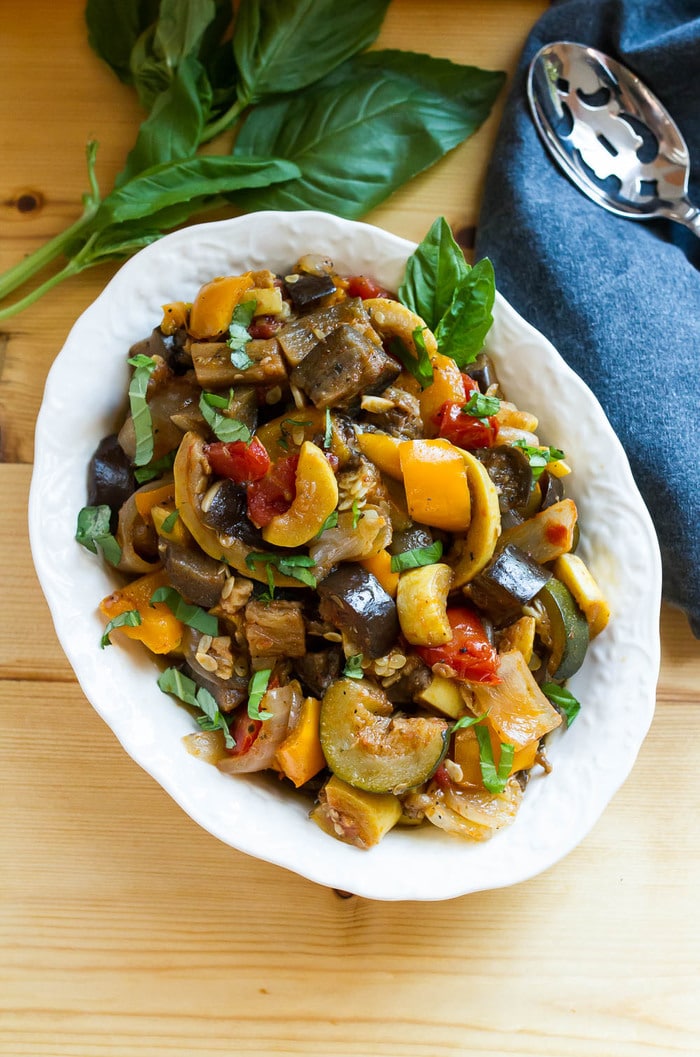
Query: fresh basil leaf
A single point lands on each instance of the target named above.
(539, 457)
(170, 521)
(214, 400)
(144, 367)
(298, 566)
(174, 127)
(131, 618)
(281, 46)
(357, 514)
(330, 522)
(93, 531)
(180, 28)
(114, 26)
(194, 616)
(226, 429)
(238, 336)
(494, 778)
(433, 272)
(172, 681)
(419, 366)
(461, 332)
(175, 183)
(387, 114)
(143, 474)
(480, 406)
(257, 688)
(466, 721)
(353, 667)
(563, 700)
(416, 557)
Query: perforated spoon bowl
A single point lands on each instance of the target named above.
(610, 134)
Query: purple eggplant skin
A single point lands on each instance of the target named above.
(507, 583)
(306, 291)
(483, 372)
(196, 576)
(353, 600)
(552, 489)
(110, 476)
(509, 469)
(228, 514)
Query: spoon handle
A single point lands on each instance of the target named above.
(687, 214)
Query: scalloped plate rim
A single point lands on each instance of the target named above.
(380, 873)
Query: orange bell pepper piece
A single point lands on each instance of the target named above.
(213, 306)
(145, 501)
(437, 488)
(300, 755)
(159, 630)
(380, 566)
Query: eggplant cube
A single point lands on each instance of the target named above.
(342, 366)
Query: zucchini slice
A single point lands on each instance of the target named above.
(568, 633)
(373, 748)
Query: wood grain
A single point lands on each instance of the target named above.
(124, 928)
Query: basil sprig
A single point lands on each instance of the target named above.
(288, 79)
(455, 301)
(353, 667)
(172, 681)
(419, 365)
(93, 531)
(416, 557)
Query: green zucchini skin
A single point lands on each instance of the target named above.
(371, 747)
(569, 630)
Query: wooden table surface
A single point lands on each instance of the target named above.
(126, 929)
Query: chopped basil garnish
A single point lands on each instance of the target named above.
(143, 474)
(225, 428)
(169, 522)
(129, 619)
(172, 681)
(214, 400)
(295, 565)
(539, 457)
(466, 721)
(140, 412)
(416, 557)
(494, 778)
(194, 616)
(480, 406)
(330, 522)
(257, 688)
(353, 667)
(419, 366)
(356, 514)
(93, 531)
(238, 336)
(563, 700)
(328, 431)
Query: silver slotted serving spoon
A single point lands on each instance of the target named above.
(610, 135)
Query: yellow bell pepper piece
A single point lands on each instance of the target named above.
(159, 630)
(300, 755)
(380, 566)
(383, 451)
(446, 387)
(146, 500)
(316, 498)
(175, 315)
(177, 533)
(215, 302)
(435, 479)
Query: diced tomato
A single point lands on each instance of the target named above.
(442, 778)
(469, 654)
(244, 732)
(364, 287)
(240, 461)
(274, 493)
(265, 326)
(333, 461)
(463, 430)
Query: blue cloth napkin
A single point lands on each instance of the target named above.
(620, 299)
